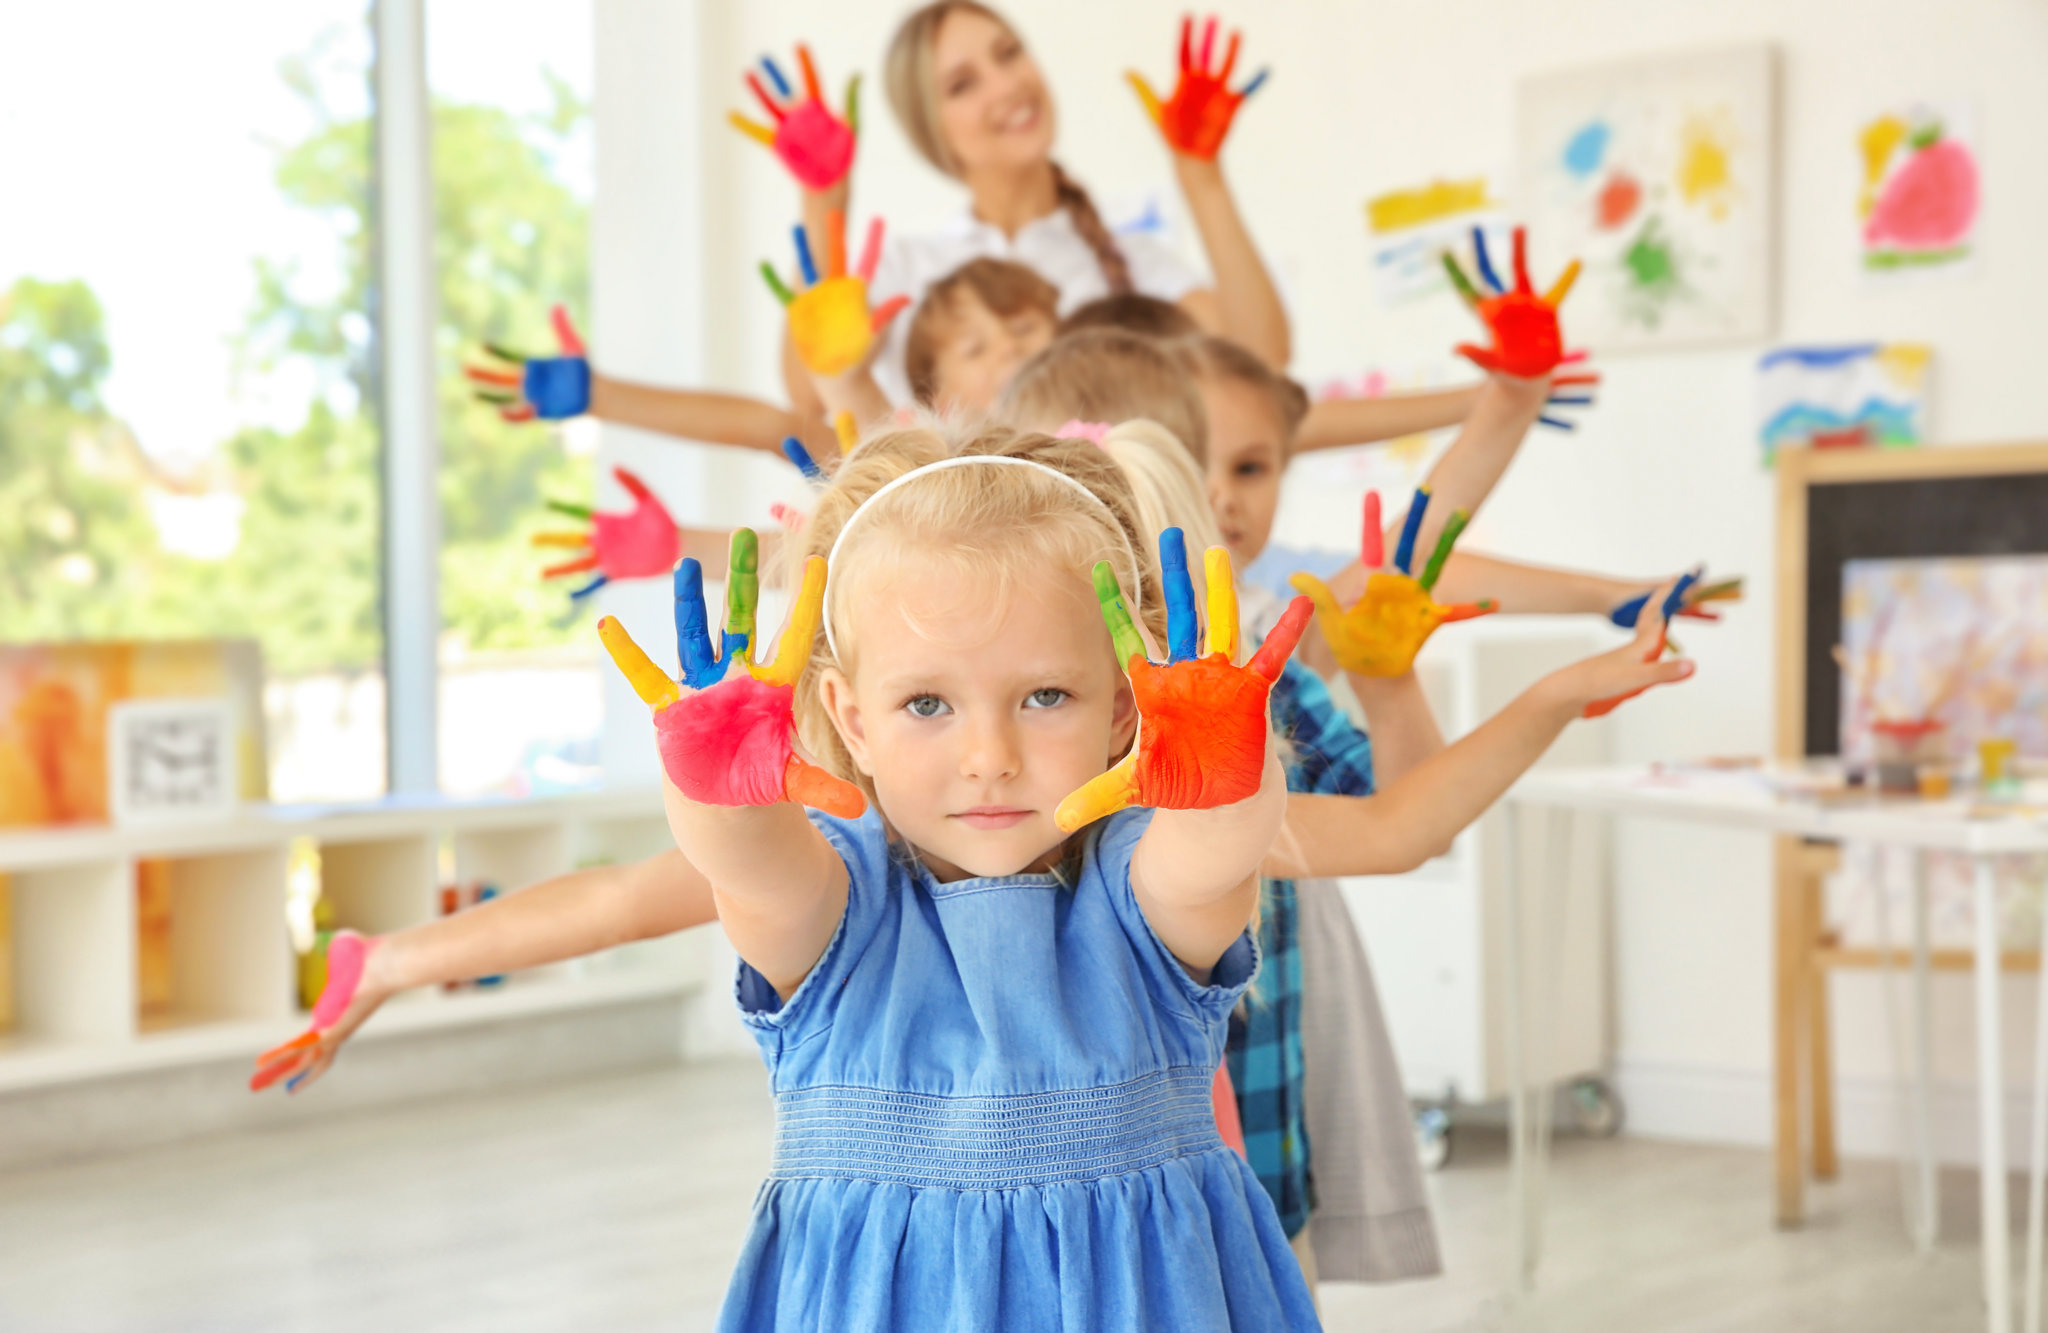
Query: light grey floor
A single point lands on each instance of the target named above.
(618, 1204)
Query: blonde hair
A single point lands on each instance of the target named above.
(1006, 288)
(1169, 492)
(1211, 358)
(1107, 375)
(913, 86)
(1004, 527)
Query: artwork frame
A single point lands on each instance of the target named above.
(171, 761)
(1660, 174)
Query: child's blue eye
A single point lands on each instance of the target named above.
(1046, 698)
(927, 705)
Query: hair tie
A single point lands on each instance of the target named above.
(1137, 586)
(1095, 432)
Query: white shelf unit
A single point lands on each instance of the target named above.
(76, 1010)
(1435, 935)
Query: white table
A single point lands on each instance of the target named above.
(1751, 800)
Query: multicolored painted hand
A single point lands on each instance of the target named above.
(1202, 721)
(1196, 119)
(1526, 340)
(829, 319)
(1656, 645)
(1695, 606)
(641, 543)
(549, 387)
(733, 742)
(1381, 633)
(814, 144)
(347, 952)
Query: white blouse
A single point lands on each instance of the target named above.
(1049, 245)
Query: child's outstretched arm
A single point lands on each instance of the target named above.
(1245, 306)
(1205, 759)
(565, 917)
(733, 777)
(714, 418)
(1340, 422)
(1415, 818)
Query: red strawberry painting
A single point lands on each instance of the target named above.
(1923, 210)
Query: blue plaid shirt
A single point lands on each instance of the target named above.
(1331, 757)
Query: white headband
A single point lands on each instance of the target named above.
(963, 460)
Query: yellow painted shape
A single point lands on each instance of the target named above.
(831, 325)
(1399, 210)
(793, 649)
(1705, 175)
(649, 681)
(1879, 140)
(1905, 364)
(1222, 592)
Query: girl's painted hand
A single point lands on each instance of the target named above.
(733, 742)
(549, 387)
(1380, 634)
(1575, 390)
(1196, 119)
(814, 144)
(355, 988)
(641, 543)
(1599, 685)
(1526, 340)
(1203, 728)
(1695, 604)
(829, 319)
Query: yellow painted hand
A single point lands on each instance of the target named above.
(829, 319)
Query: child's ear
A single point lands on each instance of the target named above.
(1123, 721)
(837, 693)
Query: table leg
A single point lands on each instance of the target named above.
(1522, 1244)
(1790, 948)
(2037, 1160)
(1991, 1106)
(1927, 1225)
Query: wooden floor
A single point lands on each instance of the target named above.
(618, 1204)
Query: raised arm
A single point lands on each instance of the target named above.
(1341, 422)
(1194, 121)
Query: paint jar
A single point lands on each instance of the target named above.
(1934, 782)
(1903, 746)
(1996, 772)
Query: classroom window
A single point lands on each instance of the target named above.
(188, 433)
(520, 702)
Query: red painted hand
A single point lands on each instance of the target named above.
(1197, 118)
(814, 144)
(1527, 342)
(641, 543)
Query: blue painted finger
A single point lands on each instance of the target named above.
(1404, 554)
(793, 449)
(1182, 626)
(803, 257)
(693, 628)
(1486, 273)
(774, 73)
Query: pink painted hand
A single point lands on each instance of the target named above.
(814, 144)
(1380, 634)
(1203, 726)
(733, 741)
(829, 319)
(1527, 342)
(641, 543)
(1197, 118)
(343, 1005)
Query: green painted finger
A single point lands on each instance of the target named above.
(742, 594)
(776, 284)
(572, 510)
(853, 104)
(1445, 540)
(1459, 280)
(1121, 631)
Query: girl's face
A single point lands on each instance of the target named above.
(995, 112)
(981, 351)
(1247, 454)
(975, 723)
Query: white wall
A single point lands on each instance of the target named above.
(1368, 97)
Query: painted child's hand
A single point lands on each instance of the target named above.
(355, 988)
(1694, 606)
(1599, 685)
(549, 387)
(1526, 340)
(1380, 634)
(733, 742)
(844, 430)
(1202, 721)
(641, 543)
(829, 319)
(814, 144)
(1195, 120)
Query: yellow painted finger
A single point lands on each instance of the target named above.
(1104, 795)
(1318, 592)
(1147, 96)
(649, 681)
(799, 632)
(1563, 286)
(1222, 601)
(561, 539)
(846, 429)
(752, 129)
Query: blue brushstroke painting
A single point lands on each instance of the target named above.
(1587, 149)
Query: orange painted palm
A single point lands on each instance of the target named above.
(1203, 728)
(1197, 118)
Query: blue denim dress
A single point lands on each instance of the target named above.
(993, 1112)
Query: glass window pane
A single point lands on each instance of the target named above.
(520, 707)
(188, 442)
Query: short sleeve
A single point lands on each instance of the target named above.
(1158, 271)
(1169, 983)
(871, 879)
(1331, 756)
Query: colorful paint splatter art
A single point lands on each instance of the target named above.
(1412, 228)
(1658, 173)
(1842, 397)
(1920, 195)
